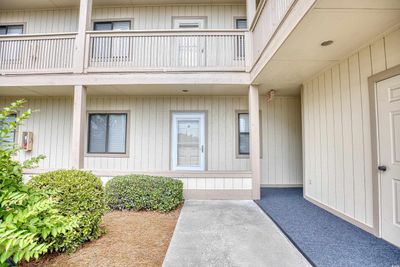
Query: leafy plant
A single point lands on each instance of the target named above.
(142, 192)
(80, 194)
(29, 218)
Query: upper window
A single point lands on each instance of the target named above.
(107, 133)
(189, 23)
(11, 29)
(244, 134)
(10, 138)
(112, 25)
(241, 23)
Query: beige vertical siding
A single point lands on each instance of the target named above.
(144, 17)
(281, 162)
(43, 21)
(149, 144)
(51, 126)
(160, 17)
(337, 141)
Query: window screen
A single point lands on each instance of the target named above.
(107, 133)
(10, 138)
(244, 135)
(112, 25)
(241, 23)
(11, 29)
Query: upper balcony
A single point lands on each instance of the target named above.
(44, 36)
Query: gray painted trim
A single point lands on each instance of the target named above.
(376, 194)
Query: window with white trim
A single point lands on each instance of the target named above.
(107, 133)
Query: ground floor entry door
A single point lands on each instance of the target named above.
(188, 141)
(388, 107)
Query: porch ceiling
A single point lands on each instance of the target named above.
(350, 24)
(169, 89)
(26, 91)
(23, 4)
(144, 90)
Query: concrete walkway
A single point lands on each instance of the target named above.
(229, 233)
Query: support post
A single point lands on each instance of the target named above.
(251, 7)
(254, 115)
(78, 126)
(85, 14)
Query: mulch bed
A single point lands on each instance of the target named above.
(131, 239)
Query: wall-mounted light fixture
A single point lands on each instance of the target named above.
(270, 95)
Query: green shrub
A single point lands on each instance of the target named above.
(141, 192)
(80, 194)
(29, 219)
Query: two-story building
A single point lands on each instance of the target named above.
(225, 95)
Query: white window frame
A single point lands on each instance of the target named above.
(182, 116)
(201, 21)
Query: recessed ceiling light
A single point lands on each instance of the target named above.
(327, 43)
(185, 91)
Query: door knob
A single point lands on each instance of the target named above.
(382, 168)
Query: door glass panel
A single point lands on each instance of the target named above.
(188, 143)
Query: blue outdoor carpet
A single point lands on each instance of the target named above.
(323, 238)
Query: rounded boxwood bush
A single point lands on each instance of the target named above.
(143, 192)
(79, 194)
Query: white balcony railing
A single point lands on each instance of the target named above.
(161, 50)
(37, 53)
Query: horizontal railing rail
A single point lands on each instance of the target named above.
(166, 50)
(37, 53)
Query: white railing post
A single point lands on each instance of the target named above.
(254, 115)
(85, 12)
(248, 50)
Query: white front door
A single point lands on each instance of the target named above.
(188, 138)
(190, 48)
(388, 107)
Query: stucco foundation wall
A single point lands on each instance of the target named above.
(336, 124)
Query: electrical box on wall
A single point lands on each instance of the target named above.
(27, 141)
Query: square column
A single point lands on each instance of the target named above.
(254, 115)
(85, 15)
(78, 126)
